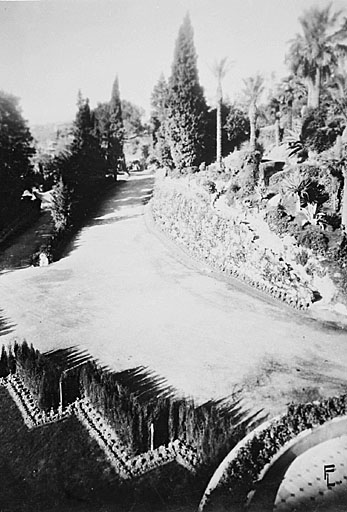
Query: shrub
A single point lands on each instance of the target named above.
(316, 133)
(313, 238)
(61, 210)
(279, 221)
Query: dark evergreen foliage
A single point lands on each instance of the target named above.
(159, 122)
(237, 127)
(62, 204)
(116, 129)
(16, 172)
(210, 428)
(187, 108)
(317, 133)
(235, 131)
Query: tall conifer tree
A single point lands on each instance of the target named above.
(159, 103)
(116, 129)
(186, 106)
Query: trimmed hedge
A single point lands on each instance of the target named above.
(243, 471)
(211, 429)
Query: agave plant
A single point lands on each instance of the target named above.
(294, 192)
(296, 145)
(311, 215)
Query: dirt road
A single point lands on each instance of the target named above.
(131, 299)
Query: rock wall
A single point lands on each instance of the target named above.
(237, 241)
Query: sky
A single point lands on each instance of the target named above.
(50, 49)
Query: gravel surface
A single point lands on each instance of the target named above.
(133, 298)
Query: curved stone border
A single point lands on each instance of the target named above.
(218, 475)
(272, 476)
(293, 438)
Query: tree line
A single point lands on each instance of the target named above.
(186, 132)
(76, 173)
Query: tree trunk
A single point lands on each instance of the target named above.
(252, 114)
(219, 133)
(219, 124)
(290, 115)
(277, 132)
(313, 89)
(344, 201)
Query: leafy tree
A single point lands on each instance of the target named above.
(338, 94)
(314, 54)
(317, 133)
(237, 127)
(16, 172)
(132, 119)
(186, 105)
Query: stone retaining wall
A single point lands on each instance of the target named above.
(236, 241)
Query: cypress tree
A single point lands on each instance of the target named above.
(3, 363)
(159, 103)
(186, 106)
(116, 129)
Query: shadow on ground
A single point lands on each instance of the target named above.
(5, 325)
(18, 252)
(132, 193)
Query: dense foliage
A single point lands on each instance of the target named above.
(186, 112)
(16, 172)
(210, 428)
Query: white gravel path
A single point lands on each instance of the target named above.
(131, 299)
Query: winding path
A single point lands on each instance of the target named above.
(132, 298)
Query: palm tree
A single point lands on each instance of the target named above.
(338, 92)
(253, 87)
(315, 53)
(219, 71)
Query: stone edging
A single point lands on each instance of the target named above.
(273, 473)
(218, 475)
(269, 478)
(32, 415)
(126, 466)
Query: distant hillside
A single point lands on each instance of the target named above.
(52, 138)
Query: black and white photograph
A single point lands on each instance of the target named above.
(173, 256)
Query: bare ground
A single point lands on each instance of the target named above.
(131, 297)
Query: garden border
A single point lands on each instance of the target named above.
(254, 455)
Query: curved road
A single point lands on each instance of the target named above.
(133, 298)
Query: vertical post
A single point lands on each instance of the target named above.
(151, 429)
(61, 393)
